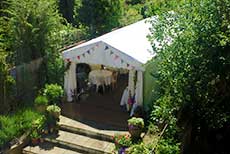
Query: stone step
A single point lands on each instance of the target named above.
(93, 134)
(84, 144)
(47, 148)
(73, 126)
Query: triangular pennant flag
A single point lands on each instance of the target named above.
(78, 57)
(111, 52)
(83, 54)
(88, 51)
(122, 61)
(68, 60)
(116, 57)
(106, 47)
(127, 65)
(97, 45)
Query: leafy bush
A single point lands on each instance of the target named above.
(13, 126)
(53, 92)
(41, 100)
(9, 129)
(137, 122)
(167, 147)
(139, 148)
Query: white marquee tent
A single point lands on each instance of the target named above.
(127, 48)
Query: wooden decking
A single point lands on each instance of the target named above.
(101, 111)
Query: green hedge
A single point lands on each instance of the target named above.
(13, 126)
(149, 84)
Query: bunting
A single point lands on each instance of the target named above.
(116, 57)
(106, 47)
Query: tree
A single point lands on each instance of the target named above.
(100, 15)
(194, 73)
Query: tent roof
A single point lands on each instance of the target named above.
(129, 43)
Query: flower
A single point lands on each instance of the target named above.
(122, 140)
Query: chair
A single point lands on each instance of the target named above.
(114, 80)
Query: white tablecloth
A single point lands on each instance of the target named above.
(100, 77)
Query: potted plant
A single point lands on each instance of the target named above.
(122, 142)
(53, 92)
(41, 103)
(135, 126)
(35, 137)
(54, 111)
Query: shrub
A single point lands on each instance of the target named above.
(136, 122)
(13, 126)
(41, 100)
(53, 92)
(167, 147)
(139, 148)
(9, 129)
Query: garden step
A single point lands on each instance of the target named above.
(77, 127)
(47, 148)
(93, 134)
(81, 143)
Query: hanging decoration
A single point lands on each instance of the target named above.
(116, 57)
(106, 47)
(122, 61)
(78, 57)
(88, 51)
(127, 65)
(111, 52)
(83, 54)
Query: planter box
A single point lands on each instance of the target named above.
(17, 147)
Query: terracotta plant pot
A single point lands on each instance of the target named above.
(35, 141)
(135, 132)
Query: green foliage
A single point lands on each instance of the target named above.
(34, 134)
(41, 100)
(6, 85)
(137, 122)
(100, 15)
(139, 148)
(193, 69)
(122, 140)
(13, 126)
(53, 92)
(130, 14)
(167, 147)
(31, 28)
(53, 108)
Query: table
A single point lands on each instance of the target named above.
(100, 77)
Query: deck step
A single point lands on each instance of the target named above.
(93, 134)
(81, 143)
(47, 148)
(74, 126)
